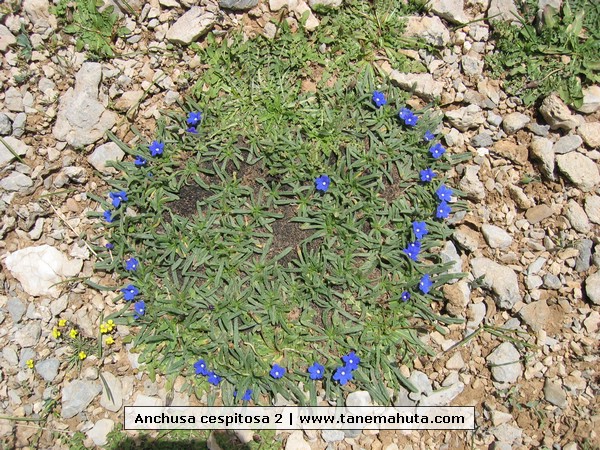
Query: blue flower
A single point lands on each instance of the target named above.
(118, 197)
(408, 117)
(429, 136)
(108, 216)
(192, 130)
(427, 175)
(342, 375)
(316, 371)
(247, 395)
(405, 296)
(351, 360)
(413, 249)
(139, 308)
(444, 193)
(194, 118)
(132, 264)
(420, 229)
(129, 292)
(443, 210)
(213, 378)
(437, 150)
(140, 161)
(379, 99)
(322, 183)
(156, 148)
(277, 371)
(425, 284)
(109, 246)
(200, 367)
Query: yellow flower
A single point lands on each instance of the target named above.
(55, 333)
(110, 324)
(73, 334)
(110, 340)
(82, 355)
(103, 328)
(62, 322)
(29, 363)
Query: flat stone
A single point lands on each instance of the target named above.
(16, 182)
(472, 65)
(496, 237)
(238, 5)
(514, 122)
(535, 315)
(103, 154)
(16, 309)
(590, 133)
(567, 144)
(47, 368)
(592, 288)
(39, 269)
(431, 29)
(76, 395)
(466, 238)
(332, 435)
(465, 118)
(112, 396)
(482, 140)
(592, 208)
(542, 150)
(554, 393)
(100, 430)
(195, 23)
(449, 254)
(28, 336)
(300, 10)
(499, 417)
(5, 124)
(18, 147)
(552, 282)
(582, 261)
(538, 213)
(6, 38)
(577, 217)
(421, 381)
(470, 183)
(591, 100)
(295, 441)
(451, 10)
(505, 363)
(13, 100)
(503, 10)
(128, 99)
(82, 119)
(422, 84)
(457, 297)
(444, 396)
(358, 398)
(580, 170)
(592, 322)
(510, 150)
(455, 362)
(557, 114)
(507, 435)
(10, 355)
(501, 280)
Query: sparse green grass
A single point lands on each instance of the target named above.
(560, 54)
(95, 31)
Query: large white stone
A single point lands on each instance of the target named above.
(193, 24)
(82, 119)
(39, 269)
(422, 84)
(581, 170)
(501, 280)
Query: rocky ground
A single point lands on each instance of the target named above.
(530, 238)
